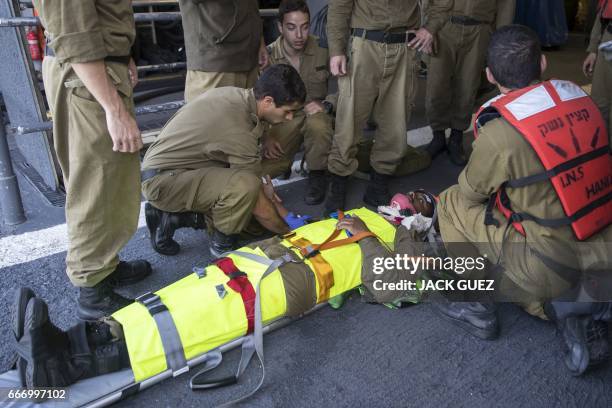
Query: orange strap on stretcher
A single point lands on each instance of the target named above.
(322, 269)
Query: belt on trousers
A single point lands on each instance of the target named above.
(465, 20)
(383, 36)
(148, 174)
(123, 59)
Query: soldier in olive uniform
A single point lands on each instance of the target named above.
(89, 89)
(224, 44)
(377, 75)
(314, 125)
(454, 70)
(206, 160)
(545, 262)
(596, 64)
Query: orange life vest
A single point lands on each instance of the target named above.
(566, 130)
(605, 8)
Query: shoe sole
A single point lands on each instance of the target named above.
(475, 331)
(20, 303)
(35, 316)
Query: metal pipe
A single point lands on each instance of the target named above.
(141, 110)
(10, 197)
(138, 17)
(160, 67)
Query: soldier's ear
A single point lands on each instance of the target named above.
(280, 26)
(490, 76)
(543, 63)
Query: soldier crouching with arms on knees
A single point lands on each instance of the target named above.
(206, 162)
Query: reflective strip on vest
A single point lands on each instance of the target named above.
(566, 130)
(204, 321)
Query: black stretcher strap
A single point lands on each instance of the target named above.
(171, 341)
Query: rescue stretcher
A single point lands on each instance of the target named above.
(230, 303)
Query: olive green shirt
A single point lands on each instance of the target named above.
(599, 35)
(221, 35)
(314, 68)
(88, 30)
(387, 15)
(496, 12)
(220, 128)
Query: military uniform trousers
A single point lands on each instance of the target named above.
(198, 82)
(526, 280)
(601, 89)
(226, 196)
(315, 131)
(381, 81)
(102, 194)
(454, 75)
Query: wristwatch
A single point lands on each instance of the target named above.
(329, 107)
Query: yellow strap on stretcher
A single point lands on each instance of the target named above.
(322, 269)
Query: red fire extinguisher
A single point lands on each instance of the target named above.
(33, 45)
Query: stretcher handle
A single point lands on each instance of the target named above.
(210, 384)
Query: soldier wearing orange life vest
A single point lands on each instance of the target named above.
(535, 200)
(597, 65)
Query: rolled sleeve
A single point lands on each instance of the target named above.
(338, 25)
(595, 35)
(76, 35)
(436, 14)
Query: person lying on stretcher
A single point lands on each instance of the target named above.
(51, 357)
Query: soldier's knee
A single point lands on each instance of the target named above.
(318, 129)
(245, 185)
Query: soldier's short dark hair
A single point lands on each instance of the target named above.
(514, 56)
(283, 83)
(289, 6)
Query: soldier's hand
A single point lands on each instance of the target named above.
(133, 71)
(354, 225)
(263, 56)
(268, 189)
(337, 65)
(123, 131)
(313, 107)
(272, 149)
(422, 41)
(589, 64)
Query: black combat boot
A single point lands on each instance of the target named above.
(20, 302)
(58, 359)
(99, 301)
(38, 346)
(437, 144)
(128, 273)
(377, 192)
(455, 148)
(478, 319)
(585, 339)
(221, 243)
(163, 224)
(337, 194)
(317, 187)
